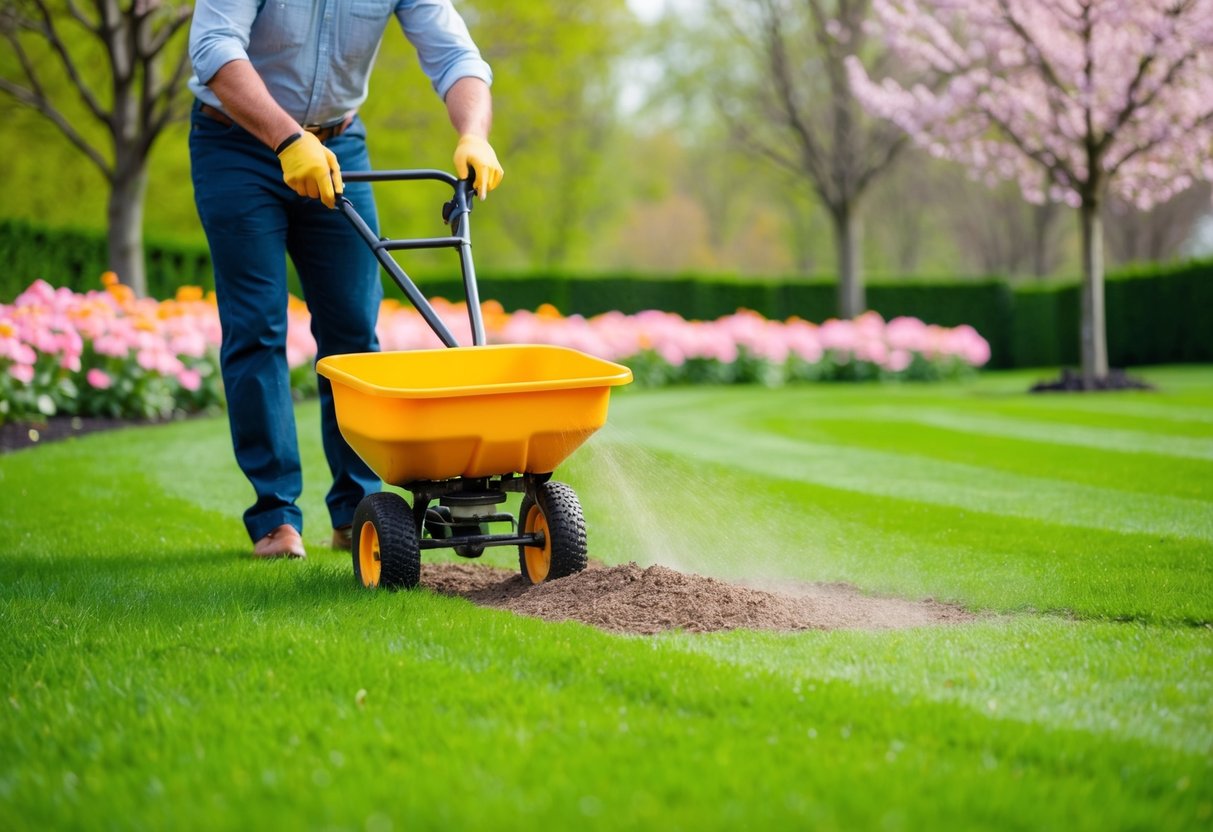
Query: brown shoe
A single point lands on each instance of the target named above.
(282, 542)
(343, 538)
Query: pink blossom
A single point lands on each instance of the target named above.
(898, 361)
(671, 354)
(838, 335)
(23, 373)
(98, 379)
(189, 379)
(873, 351)
(190, 343)
(112, 346)
(907, 334)
(1026, 87)
(803, 341)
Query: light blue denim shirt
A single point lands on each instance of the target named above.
(316, 57)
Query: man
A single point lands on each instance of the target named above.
(278, 84)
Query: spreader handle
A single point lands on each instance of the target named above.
(457, 212)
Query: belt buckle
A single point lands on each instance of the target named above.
(323, 132)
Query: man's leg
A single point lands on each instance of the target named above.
(242, 202)
(340, 279)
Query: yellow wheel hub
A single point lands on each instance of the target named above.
(369, 562)
(538, 560)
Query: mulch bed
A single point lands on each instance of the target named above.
(16, 436)
(1072, 381)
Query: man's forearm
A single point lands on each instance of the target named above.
(470, 107)
(246, 99)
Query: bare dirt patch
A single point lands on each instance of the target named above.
(639, 600)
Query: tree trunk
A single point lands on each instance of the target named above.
(1093, 324)
(125, 235)
(848, 229)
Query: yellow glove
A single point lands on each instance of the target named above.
(476, 153)
(310, 168)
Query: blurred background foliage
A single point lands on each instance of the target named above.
(616, 162)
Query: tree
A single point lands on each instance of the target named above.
(142, 94)
(1071, 98)
(783, 89)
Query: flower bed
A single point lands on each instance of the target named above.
(108, 353)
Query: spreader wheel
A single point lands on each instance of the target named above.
(555, 511)
(387, 552)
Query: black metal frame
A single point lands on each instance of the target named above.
(457, 214)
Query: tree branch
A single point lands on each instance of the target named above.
(883, 161)
(1050, 74)
(166, 97)
(78, 15)
(1146, 147)
(1035, 155)
(811, 150)
(151, 48)
(39, 103)
(51, 34)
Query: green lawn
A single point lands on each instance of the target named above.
(156, 678)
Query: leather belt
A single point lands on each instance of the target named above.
(322, 133)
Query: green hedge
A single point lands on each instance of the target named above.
(76, 259)
(1161, 317)
(1156, 314)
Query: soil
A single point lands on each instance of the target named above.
(1072, 381)
(638, 600)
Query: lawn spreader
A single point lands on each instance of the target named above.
(461, 427)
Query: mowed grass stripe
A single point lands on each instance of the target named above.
(660, 507)
(910, 476)
(1089, 435)
(1105, 679)
(1129, 471)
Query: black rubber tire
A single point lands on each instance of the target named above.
(561, 511)
(396, 532)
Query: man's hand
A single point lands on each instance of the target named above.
(311, 169)
(477, 154)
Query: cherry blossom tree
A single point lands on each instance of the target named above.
(1073, 99)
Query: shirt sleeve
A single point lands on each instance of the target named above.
(444, 46)
(219, 34)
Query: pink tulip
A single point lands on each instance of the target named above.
(189, 379)
(898, 361)
(23, 373)
(98, 379)
(111, 346)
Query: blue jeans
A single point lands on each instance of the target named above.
(252, 222)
